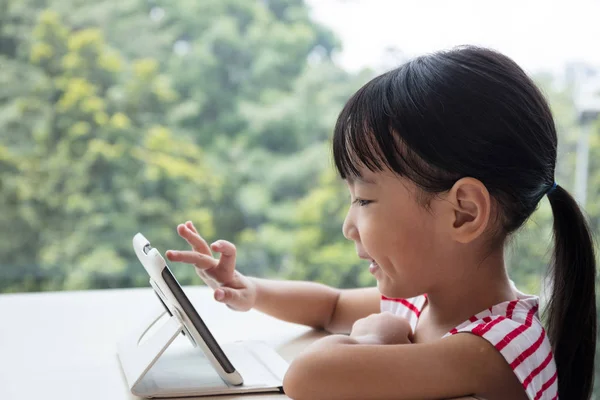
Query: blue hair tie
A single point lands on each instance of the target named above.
(551, 189)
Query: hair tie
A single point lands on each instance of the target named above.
(551, 189)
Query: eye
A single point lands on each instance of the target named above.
(362, 202)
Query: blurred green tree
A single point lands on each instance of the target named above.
(90, 162)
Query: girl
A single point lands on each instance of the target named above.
(444, 158)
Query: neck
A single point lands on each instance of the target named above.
(481, 286)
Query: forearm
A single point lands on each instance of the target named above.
(305, 303)
(349, 367)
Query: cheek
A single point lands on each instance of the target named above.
(411, 240)
(405, 244)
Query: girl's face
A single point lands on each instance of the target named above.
(402, 238)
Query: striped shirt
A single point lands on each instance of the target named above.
(513, 328)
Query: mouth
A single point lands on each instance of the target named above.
(373, 266)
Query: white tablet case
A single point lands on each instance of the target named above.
(153, 370)
(159, 362)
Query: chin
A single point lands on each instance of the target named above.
(388, 289)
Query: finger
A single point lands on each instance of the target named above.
(191, 226)
(177, 256)
(191, 235)
(210, 282)
(201, 261)
(232, 297)
(357, 325)
(194, 239)
(226, 264)
(174, 255)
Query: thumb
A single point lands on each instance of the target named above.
(232, 298)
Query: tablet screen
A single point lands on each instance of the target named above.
(192, 314)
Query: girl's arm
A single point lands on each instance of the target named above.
(316, 305)
(340, 367)
(304, 303)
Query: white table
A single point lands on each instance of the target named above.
(63, 345)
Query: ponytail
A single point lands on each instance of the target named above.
(572, 307)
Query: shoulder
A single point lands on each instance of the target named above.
(516, 332)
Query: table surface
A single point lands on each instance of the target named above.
(62, 345)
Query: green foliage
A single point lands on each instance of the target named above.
(214, 111)
(89, 162)
(118, 117)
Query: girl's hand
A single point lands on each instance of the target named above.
(230, 286)
(382, 328)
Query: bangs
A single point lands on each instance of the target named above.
(385, 125)
(364, 136)
(356, 133)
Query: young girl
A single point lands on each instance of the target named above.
(444, 158)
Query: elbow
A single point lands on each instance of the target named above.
(330, 324)
(294, 381)
(313, 373)
(298, 382)
(291, 387)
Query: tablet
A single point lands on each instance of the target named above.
(175, 301)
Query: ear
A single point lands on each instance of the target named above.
(471, 209)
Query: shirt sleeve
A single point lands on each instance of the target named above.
(525, 347)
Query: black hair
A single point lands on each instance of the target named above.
(473, 112)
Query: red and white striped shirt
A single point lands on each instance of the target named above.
(513, 328)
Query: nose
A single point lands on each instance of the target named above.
(349, 228)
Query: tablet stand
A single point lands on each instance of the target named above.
(138, 356)
(183, 373)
